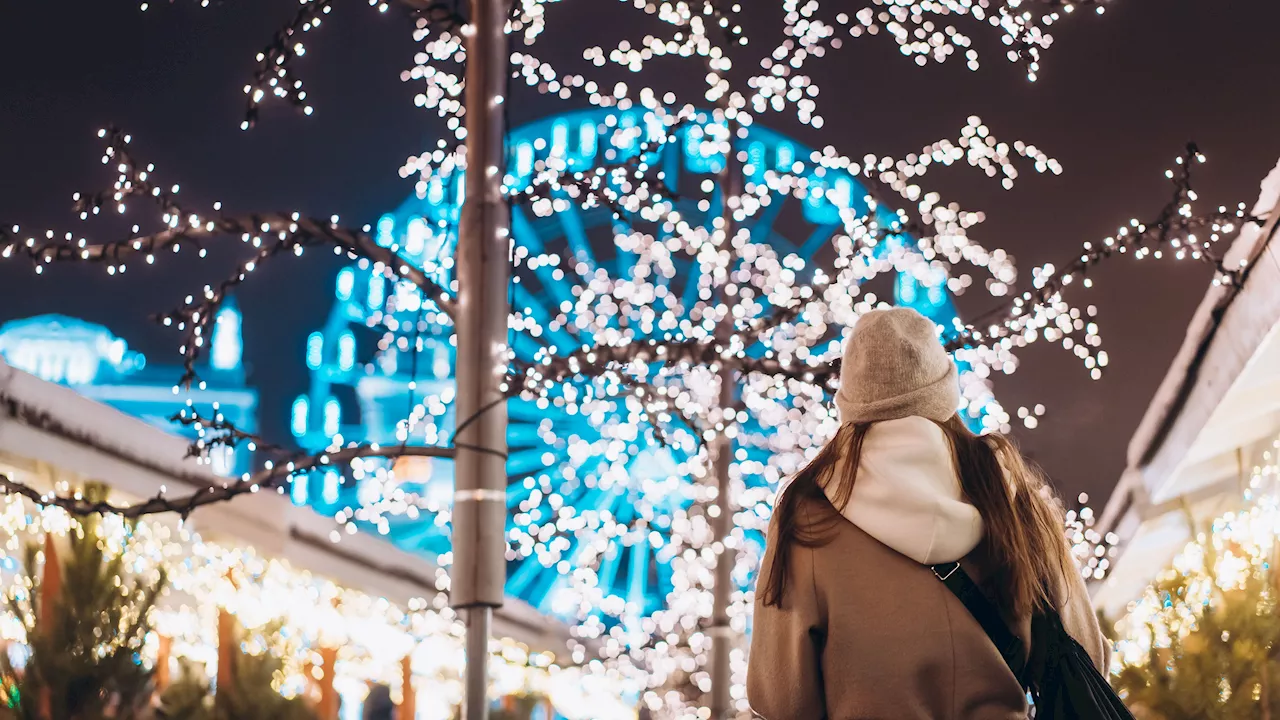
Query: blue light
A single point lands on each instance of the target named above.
(524, 160)
(315, 350)
(298, 490)
(299, 416)
(560, 139)
(627, 122)
(786, 156)
(386, 230)
(329, 491)
(587, 140)
(756, 159)
(346, 283)
(701, 150)
(377, 292)
(332, 416)
(654, 126)
(228, 348)
(435, 190)
(905, 287)
(66, 350)
(346, 352)
(416, 236)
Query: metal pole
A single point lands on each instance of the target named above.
(483, 272)
(476, 698)
(722, 523)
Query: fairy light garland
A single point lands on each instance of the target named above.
(269, 235)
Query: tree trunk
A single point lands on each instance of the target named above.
(408, 700)
(163, 654)
(328, 707)
(722, 523)
(228, 648)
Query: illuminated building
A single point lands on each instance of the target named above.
(101, 366)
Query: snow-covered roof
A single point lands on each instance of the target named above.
(46, 423)
(1219, 401)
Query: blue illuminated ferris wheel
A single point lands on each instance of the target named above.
(575, 480)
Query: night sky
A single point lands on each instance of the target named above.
(1118, 97)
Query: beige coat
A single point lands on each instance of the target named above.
(867, 633)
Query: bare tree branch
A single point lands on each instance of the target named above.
(270, 234)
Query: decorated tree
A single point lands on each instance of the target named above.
(700, 332)
(1225, 665)
(86, 616)
(1204, 639)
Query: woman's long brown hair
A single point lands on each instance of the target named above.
(1023, 535)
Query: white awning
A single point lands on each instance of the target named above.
(1217, 407)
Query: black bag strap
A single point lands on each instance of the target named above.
(985, 612)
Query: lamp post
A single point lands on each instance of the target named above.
(483, 272)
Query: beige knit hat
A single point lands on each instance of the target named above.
(894, 367)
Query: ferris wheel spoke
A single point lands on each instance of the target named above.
(609, 569)
(546, 586)
(519, 581)
(638, 578)
(817, 239)
(665, 583)
(518, 490)
(524, 462)
(557, 289)
(419, 534)
(625, 261)
(526, 346)
(529, 411)
(762, 229)
(523, 434)
(524, 233)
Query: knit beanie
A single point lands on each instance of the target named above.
(895, 367)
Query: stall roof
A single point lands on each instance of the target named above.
(1218, 403)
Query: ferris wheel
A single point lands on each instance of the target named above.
(595, 490)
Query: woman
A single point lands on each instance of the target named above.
(851, 622)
